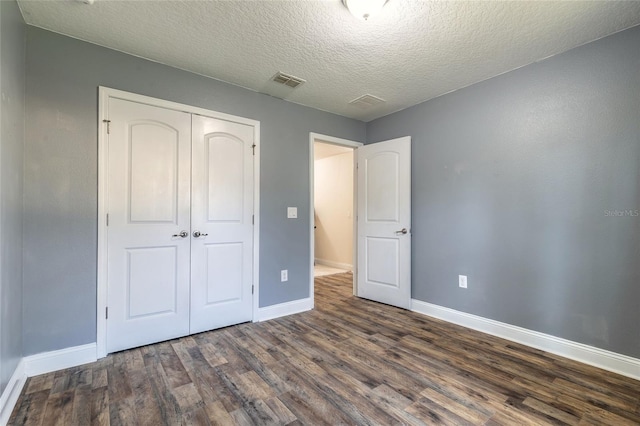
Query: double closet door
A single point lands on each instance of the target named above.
(180, 224)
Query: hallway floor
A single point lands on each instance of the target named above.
(324, 270)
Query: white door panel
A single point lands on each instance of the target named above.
(381, 197)
(385, 270)
(149, 202)
(151, 281)
(224, 178)
(222, 210)
(223, 266)
(153, 172)
(384, 222)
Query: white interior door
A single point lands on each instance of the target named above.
(384, 222)
(149, 174)
(222, 223)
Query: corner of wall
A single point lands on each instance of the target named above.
(11, 393)
(12, 134)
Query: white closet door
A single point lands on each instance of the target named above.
(222, 223)
(149, 171)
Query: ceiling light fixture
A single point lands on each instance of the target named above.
(364, 9)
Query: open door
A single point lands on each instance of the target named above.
(384, 222)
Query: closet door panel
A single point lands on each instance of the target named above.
(222, 225)
(149, 176)
(225, 180)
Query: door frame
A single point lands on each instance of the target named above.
(317, 137)
(104, 94)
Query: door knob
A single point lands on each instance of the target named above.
(198, 234)
(182, 234)
(402, 231)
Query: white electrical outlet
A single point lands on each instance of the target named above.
(462, 281)
(284, 275)
(292, 212)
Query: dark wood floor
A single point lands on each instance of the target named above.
(349, 361)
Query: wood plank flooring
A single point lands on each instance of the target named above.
(349, 361)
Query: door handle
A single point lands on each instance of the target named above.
(182, 234)
(198, 234)
(402, 231)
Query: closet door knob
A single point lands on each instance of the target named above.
(198, 234)
(182, 234)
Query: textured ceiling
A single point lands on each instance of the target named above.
(413, 51)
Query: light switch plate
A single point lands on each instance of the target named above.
(292, 212)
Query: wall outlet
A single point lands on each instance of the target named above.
(284, 275)
(462, 281)
(292, 212)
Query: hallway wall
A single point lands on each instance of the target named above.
(333, 193)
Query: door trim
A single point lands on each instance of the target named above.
(104, 94)
(317, 137)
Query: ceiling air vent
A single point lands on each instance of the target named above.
(367, 101)
(288, 80)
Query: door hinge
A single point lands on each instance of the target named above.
(252, 289)
(253, 219)
(108, 125)
(254, 148)
(106, 313)
(107, 219)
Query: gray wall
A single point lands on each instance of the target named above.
(511, 180)
(12, 63)
(60, 237)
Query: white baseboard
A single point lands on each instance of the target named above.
(34, 365)
(607, 360)
(12, 393)
(58, 360)
(347, 266)
(284, 309)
